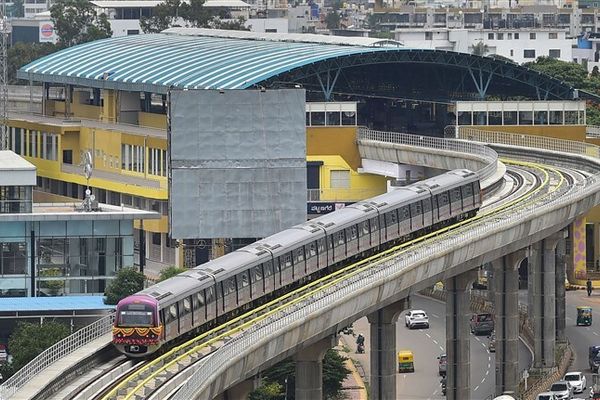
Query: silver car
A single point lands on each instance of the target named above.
(562, 390)
(577, 381)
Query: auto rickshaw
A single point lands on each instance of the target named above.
(406, 362)
(584, 315)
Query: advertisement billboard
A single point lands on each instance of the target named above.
(47, 32)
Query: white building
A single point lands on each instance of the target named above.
(520, 45)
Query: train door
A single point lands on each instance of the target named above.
(374, 228)
(199, 306)
(427, 217)
(322, 252)
(312, 257)
(171, 322)
(404, 221)
(243, 294)
(257, 281)
(210, 297)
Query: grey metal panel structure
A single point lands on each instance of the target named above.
(237, 162)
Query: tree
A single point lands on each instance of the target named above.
(18, 8)
(190, 13)
(23, 53)
(595, 72)
(332, 20)
(76, 22)
(170, 272)
(334, 373)
(127, 282)
(480, 49)
(28, 340)
(571, 73)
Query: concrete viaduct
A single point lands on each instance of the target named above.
(535, 231)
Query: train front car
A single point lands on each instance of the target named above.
(137, 330)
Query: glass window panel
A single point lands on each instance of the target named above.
(541, 117)
(510, 118)
(525, 117)
(556, 117)
(333, 118)
(495, 118)
(479, 118)
(571, 118)
(317, 118)
(464, 118)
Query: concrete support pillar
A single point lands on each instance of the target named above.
(596, 244)
(561, 270)
(491, 287)
(543, 313)
(383, 350)
(309, 369)
(506, 277)
(458, 373)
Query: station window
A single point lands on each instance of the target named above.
(525, 117)
(340, 179)
(157, 162)
(554, 53)
(553, 35)
(529, 53)
(532, 35)
(132, 157)
(490, 36)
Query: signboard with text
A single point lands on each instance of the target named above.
(47, 32)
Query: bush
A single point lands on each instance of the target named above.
(127, 282)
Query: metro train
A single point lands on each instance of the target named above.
(208, 294)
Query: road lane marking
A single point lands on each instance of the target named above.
(476, 338)
(487, 372)
(404, 376)
(483, 380)
(428, 335)
(441, 348)
(436, 316)
(476, 387)
(595, 333)
(435, 341)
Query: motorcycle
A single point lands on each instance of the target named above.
(360, 348)
(443, 383)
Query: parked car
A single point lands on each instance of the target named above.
(577, 381)
(482, 324)
(546, 396)
(492, 343)
(562, 390)
(442, 364)
(416, 318)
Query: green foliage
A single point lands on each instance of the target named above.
(268, 391)
(53, 286)
(592, 115)
(24, 53)
(192, 13)
(571, 73)
(28, 340)
(170, 272)
(480, 49)
(127, 282)
(76, 22)
(332, 20)
(334, 373)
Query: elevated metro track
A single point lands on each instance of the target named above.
(375, 282)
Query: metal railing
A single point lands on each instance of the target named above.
(392, 267)
(488, 157)
(59, 350)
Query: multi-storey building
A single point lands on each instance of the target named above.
(520, 45)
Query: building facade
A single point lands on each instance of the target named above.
(51, 249)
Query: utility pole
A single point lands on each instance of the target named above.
(3, 78)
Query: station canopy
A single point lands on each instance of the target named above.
(193, 58)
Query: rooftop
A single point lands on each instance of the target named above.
(10, 161)
(59, 303)
(74, 211)
(126, 4)
(226, 3)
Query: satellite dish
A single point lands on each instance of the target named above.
(88, 165)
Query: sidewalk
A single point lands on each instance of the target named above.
(353, 386)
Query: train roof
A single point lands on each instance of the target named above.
(394, 199)
(448, 180)
(344, 217)
(172, 289)
(278, 243)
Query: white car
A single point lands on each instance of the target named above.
(416, 318)
(562, 390)
(546, 396)
(577, 381)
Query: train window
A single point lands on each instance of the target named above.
(435, 202)
(404, 214)
(312, 249)
(467, 191)
(455, 193)
(353, 232)
(443, 199)
(365, 227)
(187, 305)
(210, 294)
(229, 286)
(340, 238)
(173, 311)
(418, 207)
(426, 205)
(413, 210)
(256, 274)
(300, 254)
(268, 267)
(200, 299)
(287, 260)
(374, 224)
(243, 280)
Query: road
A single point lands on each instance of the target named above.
(427, 345)
(581, 337)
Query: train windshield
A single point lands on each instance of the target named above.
(135, 315)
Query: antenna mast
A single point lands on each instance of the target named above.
(3, 78)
